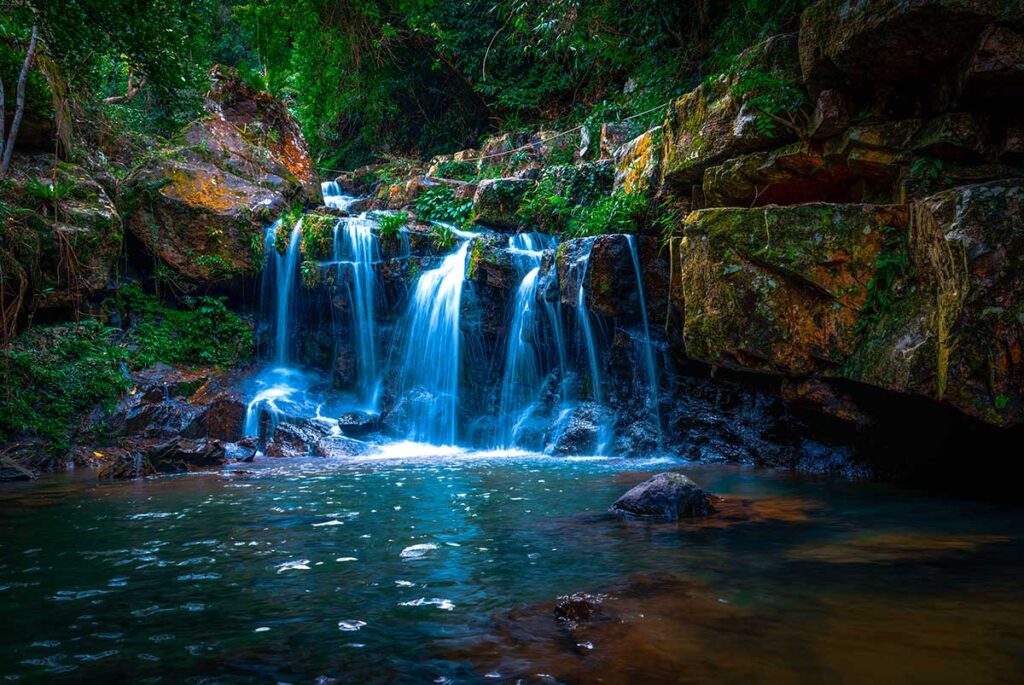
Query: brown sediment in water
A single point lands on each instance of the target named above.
(895, 547)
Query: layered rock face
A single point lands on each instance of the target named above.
(200, 208)
(872, 232)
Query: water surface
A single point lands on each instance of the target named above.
(445, 567)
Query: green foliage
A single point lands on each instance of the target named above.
(459, 171)
(51, 193)
(439, 204)
(204, 332)
(309, 269)
(775, 98)
(615, 213)
(926, 167)
(443, 237)
(544, 209)
(891, 264)
(54, 376)
(317, 236)
(216, 265)
(391, 225)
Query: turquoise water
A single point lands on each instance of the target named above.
(445, 568)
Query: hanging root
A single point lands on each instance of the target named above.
(946, 272)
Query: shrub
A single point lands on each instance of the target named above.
(53, 376)
(439, 204)
(391, 225)
(615, 213)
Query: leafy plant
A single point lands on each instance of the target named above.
(615, 213)
(439, 204)
(391, 225)
(775, 98)
(50, 192)
(309, 269)
(205, 331)
(890, 265)
(53, 376)
(443, 237)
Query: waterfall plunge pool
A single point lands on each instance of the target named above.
(446, 566)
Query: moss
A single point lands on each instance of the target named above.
(318, 236)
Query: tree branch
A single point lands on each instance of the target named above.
(19, 112)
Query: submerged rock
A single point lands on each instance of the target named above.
(295, 438)
(665, 497)
(335, 446)
(577, 608)
(181, 454)
(356, 424)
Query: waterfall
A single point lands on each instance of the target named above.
(647, 344)
(334, 197)
(589, 343)
(356, 248)
(523, 379)
(287, 267)
(586, 330)
(430, 369)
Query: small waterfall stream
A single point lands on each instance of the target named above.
(646, 344)
(356, 249)
(523, 378)
(287, 269)
(430, 369)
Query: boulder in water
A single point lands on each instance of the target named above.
(358, 423)
(666, 497)
(181, 454)
(335, 446)
(579, 607)
(295, 438)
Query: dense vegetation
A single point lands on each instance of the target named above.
(369, 78)
(112, 82)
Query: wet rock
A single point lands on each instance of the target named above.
(295, 438)
(583, 431)
(665, 497)
(356, 424)
(954, 137)
(994, 68)
(875, 41)
(337, 446)
(243, 450)
(824, 398)
(182, 454)
(613, 136)
(781, 288)
(713, 123)
(214, 196)
(638, 164)
(225, 410)
(497, 200)
(82, 227)
(830, 115)
(954, 333)
(491, 263)
(577, 608)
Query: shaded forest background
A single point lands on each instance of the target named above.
(369, 79)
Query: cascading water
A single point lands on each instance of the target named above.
(430, 369)
(523, 378)
(647, 344)
(287, 267)
(334, 197)
(589, 343)
(356, 249)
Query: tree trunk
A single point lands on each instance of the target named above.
(19, 111)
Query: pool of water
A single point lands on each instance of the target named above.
(446, 566)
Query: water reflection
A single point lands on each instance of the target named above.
(404, 566)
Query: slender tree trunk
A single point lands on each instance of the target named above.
(3, 118)
(19, 111)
